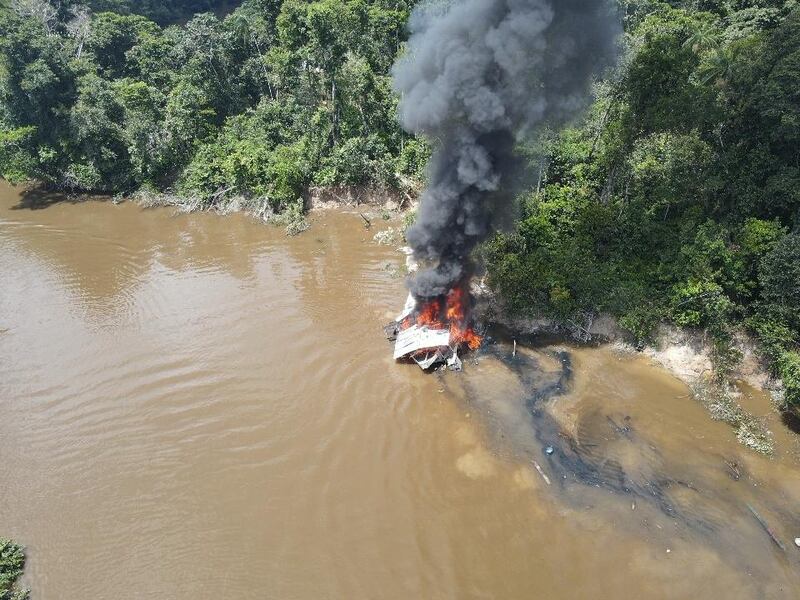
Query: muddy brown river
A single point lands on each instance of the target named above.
(195, 406)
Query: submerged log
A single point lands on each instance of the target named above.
(766, 528)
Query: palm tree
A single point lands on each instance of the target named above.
(705, 37)
(717, 67)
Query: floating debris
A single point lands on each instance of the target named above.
(454, 363)
(541, 472)
(767, 528)
(734, 471)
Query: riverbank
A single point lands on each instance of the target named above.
(686, 354)
(293, 219)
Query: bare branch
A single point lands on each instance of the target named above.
(42, 11)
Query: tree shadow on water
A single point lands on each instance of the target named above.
(41, 197)
(792, 420)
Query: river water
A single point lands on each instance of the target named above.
(195, 406)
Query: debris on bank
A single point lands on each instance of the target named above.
(722, 406)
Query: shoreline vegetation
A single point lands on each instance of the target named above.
(686, 354)
(671, 205)
(390, 201)
(12, 563)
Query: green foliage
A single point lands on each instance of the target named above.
(671, 171)
(775, 335)
(779, 343)
(659, 75)
(293, 219)
(112, 36)
(100, 153)
(789, 371)
(111, 101)
(762, 131)
(287, 176)
(12, 562)
(699, 303)
(15, 162)
(780, 278)
(413, 159)
(157, 10)
(356, 161)
(639, 322)
(673, 199)
(757, 237)
(252, 157)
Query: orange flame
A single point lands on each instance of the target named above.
(460, 331)
(429, 314)
(454, 318)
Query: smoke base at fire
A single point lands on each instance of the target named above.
(480, 75)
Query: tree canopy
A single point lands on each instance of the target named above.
(272, 98)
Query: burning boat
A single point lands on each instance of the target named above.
(433, 332)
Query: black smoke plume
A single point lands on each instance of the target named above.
(478, 76)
